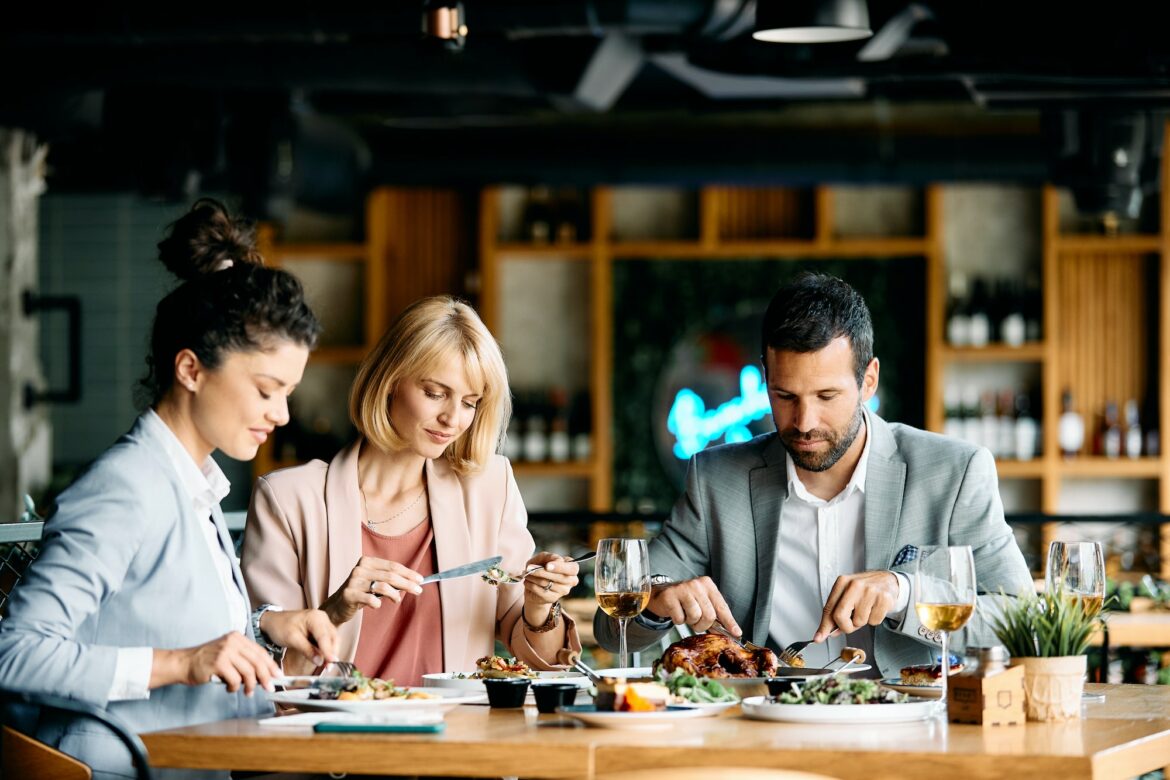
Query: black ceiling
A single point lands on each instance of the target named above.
(573, 91)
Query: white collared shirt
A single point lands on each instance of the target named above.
(819, 541)
(206, 486)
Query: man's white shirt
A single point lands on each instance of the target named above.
(819, 541)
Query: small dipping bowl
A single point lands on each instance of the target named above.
(549, 696)
(783, 683)
(507, 692)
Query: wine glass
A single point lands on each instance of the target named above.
(944, 580)
(622, 581)
(1077, 569)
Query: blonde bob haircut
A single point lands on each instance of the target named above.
(427, 334)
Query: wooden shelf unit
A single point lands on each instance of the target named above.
(716, 240)
(1095, 332)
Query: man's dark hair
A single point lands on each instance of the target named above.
(812, 310)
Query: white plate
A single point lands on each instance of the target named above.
(627, 672)
(712, 707)
(444, 700)
(921, 691)
(759, 708)
(635, 720)
(449, 681)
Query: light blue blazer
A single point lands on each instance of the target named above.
(123, 563)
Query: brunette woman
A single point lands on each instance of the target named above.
(135, 602)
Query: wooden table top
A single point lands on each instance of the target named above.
(1125, 736)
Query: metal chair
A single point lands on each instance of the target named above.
(19, 715)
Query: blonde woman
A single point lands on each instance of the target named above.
(421, 490)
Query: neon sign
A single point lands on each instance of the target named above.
(694, 426)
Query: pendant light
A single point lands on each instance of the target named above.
(811, 21)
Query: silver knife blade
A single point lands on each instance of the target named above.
(467, 569)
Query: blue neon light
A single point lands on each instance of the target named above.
(694, 427)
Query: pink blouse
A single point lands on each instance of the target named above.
(402, 642)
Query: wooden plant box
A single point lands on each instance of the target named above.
(992, 701)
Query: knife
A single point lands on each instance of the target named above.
(466, 570)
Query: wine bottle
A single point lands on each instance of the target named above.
(1012, 328)
(1133, 430)
(538, 217)
(972, 424)
(953, 412)
(958, 322)
(1026, 429)
(1071, 428)
(1111, 437)
(980, 322)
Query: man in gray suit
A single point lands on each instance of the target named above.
(811, 532)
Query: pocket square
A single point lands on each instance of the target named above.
(907, 554)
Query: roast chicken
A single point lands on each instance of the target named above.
(715, 655)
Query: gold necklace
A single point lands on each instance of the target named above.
(399, 513)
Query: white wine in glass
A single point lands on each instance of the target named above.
(944, 583)
(622, 582)
(1077, 569)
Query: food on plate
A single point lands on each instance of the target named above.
(840, 690)
(853, 655)
(617, 695)
(928, 674)
(686, 687)
(498, 667)
(715, 655)
(362, 688)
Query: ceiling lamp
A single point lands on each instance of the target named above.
(811, 21)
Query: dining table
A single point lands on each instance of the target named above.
(1124, 736)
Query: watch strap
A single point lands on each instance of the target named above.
(265, 641)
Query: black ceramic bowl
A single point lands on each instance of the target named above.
(507, 692)
(783, 683)
(549, 696)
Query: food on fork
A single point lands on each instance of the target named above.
(928, 674)
(716, 655)
(853, 655)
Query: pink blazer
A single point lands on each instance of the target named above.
(303, 537)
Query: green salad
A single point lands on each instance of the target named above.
(838, 690)
(698, 690)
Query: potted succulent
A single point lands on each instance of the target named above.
(1048, 634)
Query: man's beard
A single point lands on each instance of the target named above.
(839, 443)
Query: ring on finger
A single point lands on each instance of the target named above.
(548, 586)
(373, 583)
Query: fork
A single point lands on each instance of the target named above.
(515, 579)
(719, 628)
(338, 669)
(793, 651)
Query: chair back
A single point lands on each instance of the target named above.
(21, 712)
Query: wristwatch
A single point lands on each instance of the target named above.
(273, 649)
(648, 619)
(549, 623)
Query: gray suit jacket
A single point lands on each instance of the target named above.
(123, 563)
(920, 489)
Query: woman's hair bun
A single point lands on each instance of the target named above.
(204, 238)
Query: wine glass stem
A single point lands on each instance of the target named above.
(944, 666)
(623, 659)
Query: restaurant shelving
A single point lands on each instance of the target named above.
(730, 223)
(415, 244)
(1120, 342)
